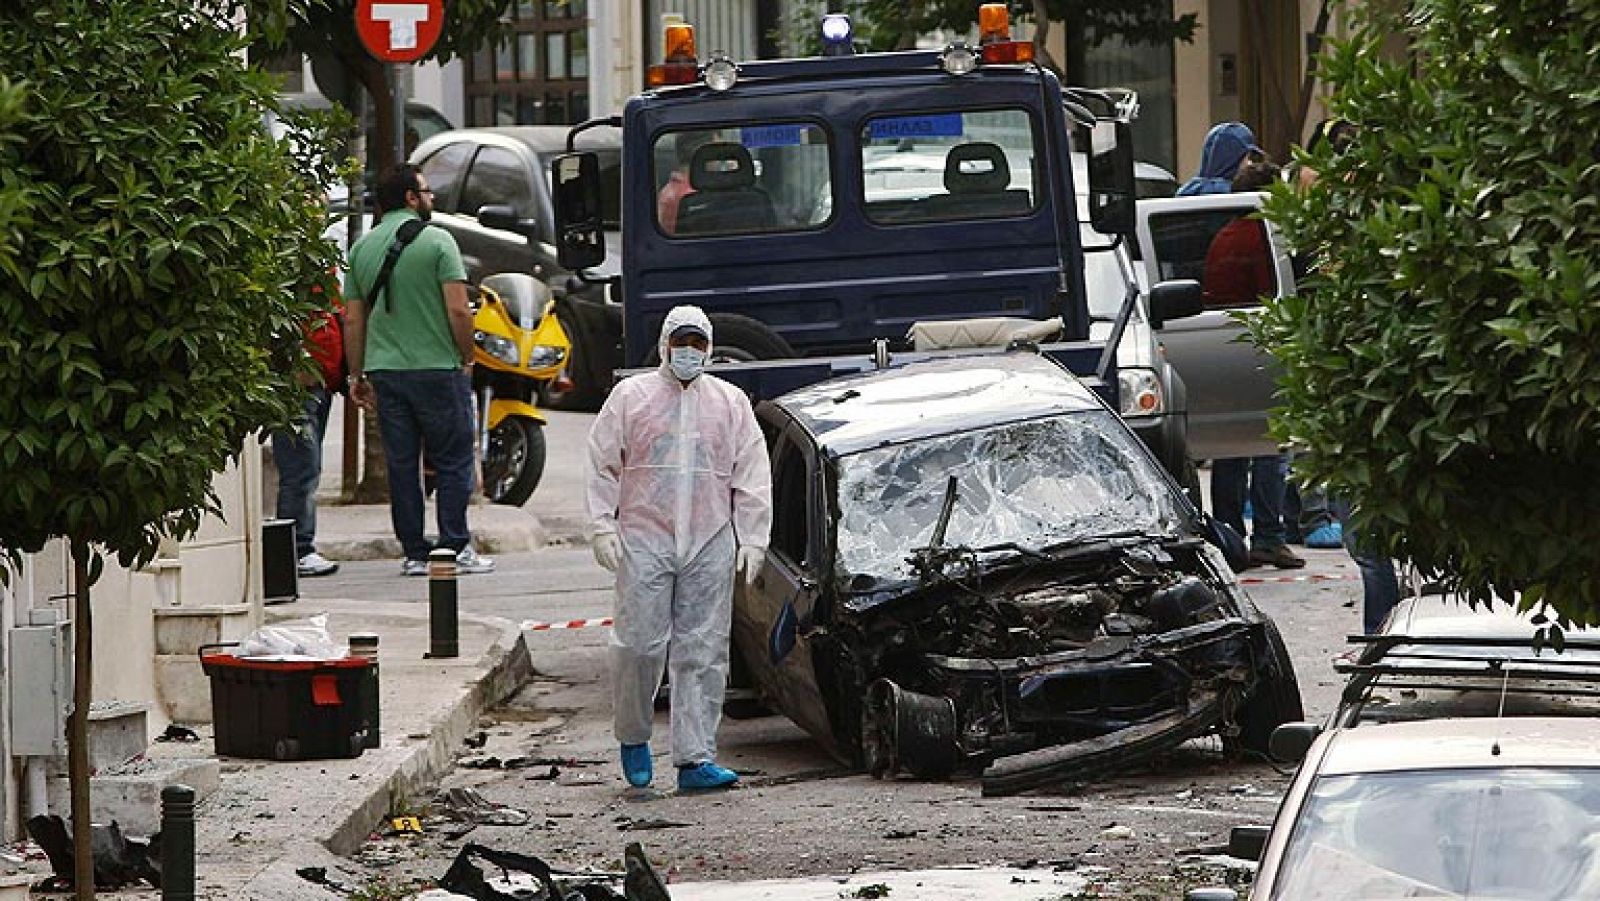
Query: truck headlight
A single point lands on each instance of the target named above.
(544, 356)
(502, 349)
(1139, 393)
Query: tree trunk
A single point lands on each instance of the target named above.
(78, 724)
(1041, 38)
(374, 487)
(1077, 49)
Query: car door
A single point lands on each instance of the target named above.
(1230, 383)
(500, 176)
(772, 617)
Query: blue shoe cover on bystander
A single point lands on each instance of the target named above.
(1326, 537)
(636, 765)
(705, 775)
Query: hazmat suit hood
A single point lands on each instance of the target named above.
(678, 317)
(1226, 146)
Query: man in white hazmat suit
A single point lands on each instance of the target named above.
(680, 498)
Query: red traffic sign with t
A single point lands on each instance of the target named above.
(399, 31)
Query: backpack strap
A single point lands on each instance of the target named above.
(403, 237)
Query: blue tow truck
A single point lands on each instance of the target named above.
(821, 209)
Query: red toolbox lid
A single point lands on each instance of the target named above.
(282, 666)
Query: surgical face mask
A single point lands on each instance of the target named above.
(686, 362)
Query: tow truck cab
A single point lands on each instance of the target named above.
(813, 207)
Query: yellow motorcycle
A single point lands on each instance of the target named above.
(520, 344)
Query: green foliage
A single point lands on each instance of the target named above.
(157, 252)
(313, 24)
(1442, 369)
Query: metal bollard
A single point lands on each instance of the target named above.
(365, 645)
(177, 843)
(443, 631)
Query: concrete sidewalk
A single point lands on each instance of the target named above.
(363, 532)
(268, 819)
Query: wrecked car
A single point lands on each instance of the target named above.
(975, 565)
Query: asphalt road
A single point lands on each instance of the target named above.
(799, 812)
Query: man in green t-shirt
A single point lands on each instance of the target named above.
(409, 346)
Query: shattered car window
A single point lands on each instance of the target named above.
(1474, 833)
(1037, 484)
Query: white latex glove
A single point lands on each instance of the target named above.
(750, 561)
(607, 550)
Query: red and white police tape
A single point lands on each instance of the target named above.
(533, 625)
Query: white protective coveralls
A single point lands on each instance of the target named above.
(680, 475)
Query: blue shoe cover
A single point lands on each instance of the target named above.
(706, 775)
(1326, 537)
(636, 765)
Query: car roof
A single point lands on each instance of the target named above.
(1463, 743)
(550, 138)
(935, 397)
(1448, 616)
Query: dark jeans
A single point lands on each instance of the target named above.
(1380, 587)
(431, 407)
(298, 456)
(1305, 510)
(1265, 478)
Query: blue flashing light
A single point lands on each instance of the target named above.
(838, 38)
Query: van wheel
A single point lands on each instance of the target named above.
(739, 338)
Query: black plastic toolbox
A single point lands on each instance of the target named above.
(290, 709)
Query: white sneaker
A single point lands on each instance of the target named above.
(414, 567)
(468, 561)
(314, 564)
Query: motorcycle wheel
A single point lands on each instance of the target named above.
(515, 461)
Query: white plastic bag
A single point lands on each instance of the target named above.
(304, 639)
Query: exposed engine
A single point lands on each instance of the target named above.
(1129, 596)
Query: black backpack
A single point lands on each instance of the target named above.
(403, 237)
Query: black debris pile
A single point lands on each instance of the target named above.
(118, 860)
(466, 878)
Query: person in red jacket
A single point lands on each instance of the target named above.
(1239, 263)
(298, 451)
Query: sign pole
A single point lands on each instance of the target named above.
(398, 113)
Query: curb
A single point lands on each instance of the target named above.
(501, 532)
(508, 666)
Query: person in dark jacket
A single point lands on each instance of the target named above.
(1263, 480)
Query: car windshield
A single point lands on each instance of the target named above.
(1038, 483)
(1528, 834)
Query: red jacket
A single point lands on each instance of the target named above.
(1239, 266)
(325, 343)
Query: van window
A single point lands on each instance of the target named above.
(742, 179)
(942, 166)
(1226, 251)
(497, 177)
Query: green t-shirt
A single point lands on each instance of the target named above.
(408, 329)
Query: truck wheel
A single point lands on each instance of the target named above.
(515, 461)
(585, 394)
(742, 338)
(1275, 699)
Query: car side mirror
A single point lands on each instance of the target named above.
(1211, 894)
(1179, 298)
(1290, 742)
(505, 218)
(1112, 192)
(580, 227)
(1247, 842)
(1223, 537)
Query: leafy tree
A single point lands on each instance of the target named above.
(1440, 368)
(896, 25)
(327, 28)
(154, 246)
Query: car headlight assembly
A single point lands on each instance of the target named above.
(501, 348)
(543, 356)
(1139, 393)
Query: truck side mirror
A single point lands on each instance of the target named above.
(1179, 298)
(1112, 193)
(580, 229)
